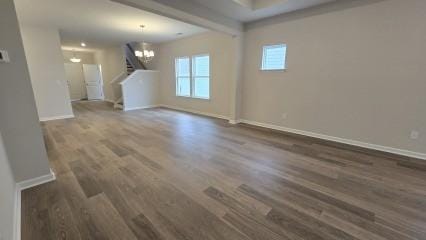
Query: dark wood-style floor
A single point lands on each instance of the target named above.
(162, 174)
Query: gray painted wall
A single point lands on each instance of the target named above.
(221, 48)
(356, 70)
(47, 72)
(7, 196)
(19, 124)
(113, 63)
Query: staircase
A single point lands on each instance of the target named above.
(117, 91)
(118, 104)
(130, 68)
(132, 64)
(131, 59)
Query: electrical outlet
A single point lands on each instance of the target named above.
(414, 135)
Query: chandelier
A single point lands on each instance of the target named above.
(74, 59)
(145, 55)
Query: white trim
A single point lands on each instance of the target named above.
(265, 47)
(146, 70)
(44, 119)
(17, 217)
(397, 151)
(124, 81)
(234, 121)
(177, 76)
(192, 77)
(137, 108)
(377, 147)
(117, 77)
(20, 186)
(194, 111)
(36, 181)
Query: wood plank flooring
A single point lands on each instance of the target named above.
(161, 174)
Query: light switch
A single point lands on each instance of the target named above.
(4, 56)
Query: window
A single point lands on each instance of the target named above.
(183, 77)
(201, 76)
(274, 57)
(193, 76)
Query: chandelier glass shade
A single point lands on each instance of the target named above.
(74, 59)
(144, 55)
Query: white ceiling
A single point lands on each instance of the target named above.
(251, 10)
(101, 22)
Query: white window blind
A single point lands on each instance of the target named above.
(183, 77)
(193, 76)
(201, 76)
(274, 57)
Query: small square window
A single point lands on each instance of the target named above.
(274, 57)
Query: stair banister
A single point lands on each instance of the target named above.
(133, 60)
(117, 78)
(140, 89)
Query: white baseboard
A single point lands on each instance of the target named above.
(397, 151)
(234, 121)
(19, 188)
(195, 112)
(44, 119)
(377, 147)
(17, 216)
(138, 108)
(36, 181)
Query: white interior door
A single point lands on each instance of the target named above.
(93, 79)
(75, 80)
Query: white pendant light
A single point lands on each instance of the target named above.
(145, 55)
(74, 59)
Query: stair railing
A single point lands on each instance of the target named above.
(133, 60)
(116, 87)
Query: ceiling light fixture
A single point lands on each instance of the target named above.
(145, 55)
(83, 44)
(74, 59)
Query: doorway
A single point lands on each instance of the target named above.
(84, 81)
(93, 81)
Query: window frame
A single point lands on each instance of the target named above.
(192, 76)
(262, 62)
(177, 76)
